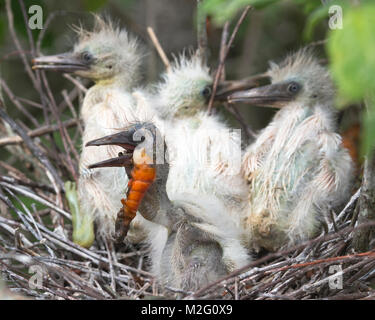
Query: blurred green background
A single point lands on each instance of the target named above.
(272, 30)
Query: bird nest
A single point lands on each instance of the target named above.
(39, 260)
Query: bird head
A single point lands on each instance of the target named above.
(105, 54)
(299, 80)
(185, 89)
(144, 146)
(137, 138)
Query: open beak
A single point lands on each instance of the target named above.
(123, 160)
(273, 95)
(65, 62)
(226, 88)
(123, 139)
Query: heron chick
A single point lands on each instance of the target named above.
(112, 58)
(201, 243)
(204, 152)
(297, 168)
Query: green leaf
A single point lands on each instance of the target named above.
(83, 225)
(351, 51)
(313, 19)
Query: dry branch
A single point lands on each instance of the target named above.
(224, 56)
(365, 210)
(159, 48)
(37, 132)
(202, 33)
(36, 151)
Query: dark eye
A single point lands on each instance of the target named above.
(87, 56)
(206, 92)
(294, 87)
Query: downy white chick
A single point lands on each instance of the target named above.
(297, 168)
(204, 158)
(112, 59)
(204, 153)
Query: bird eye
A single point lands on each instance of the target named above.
(87, 56)
(206, 92)
(294, 87)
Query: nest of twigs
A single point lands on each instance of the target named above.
(39, 260)
(37, 242)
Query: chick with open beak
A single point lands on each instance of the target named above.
(199, 242)
(141, 177)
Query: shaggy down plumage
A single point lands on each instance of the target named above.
(204, 183)
(198, 199)
(111, 58)
(108, 106)
(196, 241)
(297, 168)
(204, 153)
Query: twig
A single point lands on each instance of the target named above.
(222, 59)
(36, 234)
(25, 19)
(112, 270)
(316, 284)
(74, 93)
(30, 103)
(158, 48)
(333, 259)
(365, 210)
(37, 152)
(18, 45)
(202, 33)
(82, 252)
(223, 44)
(351, 202)
(37, 132)
(250, 134)
(17, 103)
(278, 254)
(73, 111)
(67, 142)
(77, 83)
(12, 231)
(35, 197)
(16, 175)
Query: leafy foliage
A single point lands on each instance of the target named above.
(351, 51)
(315, 16)
(224, 10)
